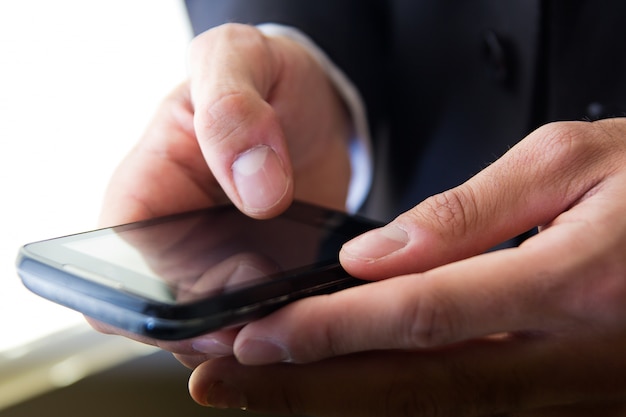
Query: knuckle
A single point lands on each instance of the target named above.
(567, 146)
(230, 104)
(430, 322)
(224, 116)
(453, 210)
(227, 32)
(331, 346)
(576, 156)
(564, 140)
(330, 337)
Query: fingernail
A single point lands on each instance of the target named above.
(262, 352)
(211, 346)
(222, 395)
(377, 243)
(260, 178)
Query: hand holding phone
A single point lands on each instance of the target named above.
(180, 276)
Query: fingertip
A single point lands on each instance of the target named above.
(263, 183)
(370, 255)
(198, 385)
(376, 244)
(209, 386)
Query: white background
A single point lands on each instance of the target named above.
(79, 81)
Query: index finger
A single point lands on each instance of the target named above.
(538, 179)
(480, 296)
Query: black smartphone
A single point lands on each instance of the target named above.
(183, 275)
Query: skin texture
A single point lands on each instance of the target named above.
(446, 329)
(237, 101)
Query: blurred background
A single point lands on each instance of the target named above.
(79, 81)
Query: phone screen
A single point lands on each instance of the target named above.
(185, 258)
(178, 276)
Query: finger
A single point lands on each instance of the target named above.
(481, 378)
(198, 350)
(233, 70)
(479, 296)
(554, 283)
(530, 185)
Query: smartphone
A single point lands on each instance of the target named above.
(183, 275)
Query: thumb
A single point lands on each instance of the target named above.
(529, 186)
(233, 68)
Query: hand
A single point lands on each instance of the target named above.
(513, 376)
(538, 327)
(258, 123)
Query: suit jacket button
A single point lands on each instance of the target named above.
(496, 57)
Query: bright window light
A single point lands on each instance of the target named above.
(79, 81)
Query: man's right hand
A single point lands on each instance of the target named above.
(258, 124)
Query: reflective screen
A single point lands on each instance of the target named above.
(186, 258)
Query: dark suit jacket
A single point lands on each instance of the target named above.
(451, 84)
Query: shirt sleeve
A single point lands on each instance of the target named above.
(360, 144)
